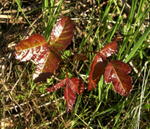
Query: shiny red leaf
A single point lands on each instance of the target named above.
(37, 50)
(99, 63)
(45, 56)
(46, 65)
(76, 85)
(62, 33)
(62, 83)
(73, 86)
(70, 97)
(33, 41)
(28, 48)
(109, 49)
(96, 70)
(116, 72)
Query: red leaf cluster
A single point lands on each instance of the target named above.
(46, 55)
(73, 86)
(115, 72)
(99, 63)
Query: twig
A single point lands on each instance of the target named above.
(11, 19)
(15, 11)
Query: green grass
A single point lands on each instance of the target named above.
(96, 24)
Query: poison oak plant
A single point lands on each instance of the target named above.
(115, 72)
(46, 56)
(73, 86)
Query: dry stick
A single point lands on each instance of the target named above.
(3, 16)
(15, 11)
(12, 22)
(8, 75)
(11, 19)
